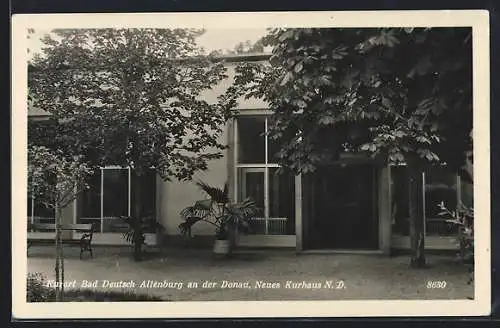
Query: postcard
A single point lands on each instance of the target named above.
(271, 164)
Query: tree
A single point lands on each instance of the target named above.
(247, 47)
(55, 181)
(402, 95)
(130, 97)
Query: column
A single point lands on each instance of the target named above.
(384, 209)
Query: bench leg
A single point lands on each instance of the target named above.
(86, 247)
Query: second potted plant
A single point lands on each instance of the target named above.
(138, 229)
(226, 216)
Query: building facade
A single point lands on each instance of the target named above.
(355, 204)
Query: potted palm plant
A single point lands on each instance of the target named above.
(226, 216)
(137, 230)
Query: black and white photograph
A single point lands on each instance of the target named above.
(251, 164)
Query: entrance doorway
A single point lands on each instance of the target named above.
(339, 208)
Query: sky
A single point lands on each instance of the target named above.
(213, 39)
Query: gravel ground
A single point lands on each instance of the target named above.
(270, 275)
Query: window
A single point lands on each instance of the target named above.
(110, 197)
(440, 185)
(115, 198)
(281, 201)
(89, 203)
(39, 213)
(262, 180)
(251, 183)
(467, 193)
(148, 194)
(252, 140)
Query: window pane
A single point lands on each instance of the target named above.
(114, 224)
(147, 197)
(400, 206)
(275, 145)
(89, 203)
(251, 185)
(90, 199)
(115, 198)
(42, 211)
(440, 186)
(29, 212)
(42, 214)
(29, 206)
(281, 202)
(251, 140)
(467, 193)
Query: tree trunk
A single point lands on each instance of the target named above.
(417, 233)
(57, 264)
(137, 214)
(61, 257)
(58, 255)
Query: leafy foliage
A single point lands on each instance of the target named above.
(219, 211)
(54, 178)
(137, 228)
(396, 94)
(463, 218)
(36, 289)
(129, 97)
(393, 93)
(247, 47)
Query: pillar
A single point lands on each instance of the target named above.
(384, 209)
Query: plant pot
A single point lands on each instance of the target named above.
(151, 239)
(234, 238)
(221, 247)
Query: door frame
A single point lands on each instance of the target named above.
(381, 209)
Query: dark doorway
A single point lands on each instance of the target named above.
(339, 204)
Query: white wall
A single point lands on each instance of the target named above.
(211, 95)
(176, 195)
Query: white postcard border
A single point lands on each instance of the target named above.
(481, 305)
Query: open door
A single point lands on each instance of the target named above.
(341, 208)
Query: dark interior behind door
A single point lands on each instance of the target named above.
(340, 208)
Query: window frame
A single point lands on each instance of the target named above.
(32, 212)
(76, 216)
(255, 167)
(101, 197)
(458, 192)
(115, 167)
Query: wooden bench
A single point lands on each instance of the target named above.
(85, 241)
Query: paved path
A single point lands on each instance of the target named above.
(267, 273)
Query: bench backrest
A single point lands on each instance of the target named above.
(51, 226)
